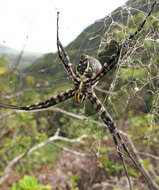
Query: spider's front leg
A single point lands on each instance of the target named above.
(118, 141)
(64, 57)
(44, 104)
(143, 23)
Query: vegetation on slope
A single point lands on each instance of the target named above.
(130, 94)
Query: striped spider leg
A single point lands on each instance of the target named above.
(64, 57)
(117, 138)
(110, 62)
(143, 23)
(60, 97)
(44, 104)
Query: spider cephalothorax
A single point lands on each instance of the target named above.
(88, 72)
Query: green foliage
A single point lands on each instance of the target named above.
(73, 182)
(134, 22)
(3, 64)
(30, 81)
(3, 60)
(141, 124)
(132, 172)
(108, 51)
(29, 183)
(132, 74)
(110, 167)
(46, 155)
(147, 164)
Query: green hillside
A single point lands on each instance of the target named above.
(13, 56)
(87, 42)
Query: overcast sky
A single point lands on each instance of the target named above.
(37, 20)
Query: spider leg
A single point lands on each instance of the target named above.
(44, 104)
(114, 59)
(143, 23)
(64, 57)
(118, 141)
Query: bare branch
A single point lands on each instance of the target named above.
(72, 151)
(148, 155)
(104, 91)
(147, 175)
(81, 117)
(11, 164)
(21, 92)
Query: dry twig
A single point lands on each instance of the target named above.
(16, 160)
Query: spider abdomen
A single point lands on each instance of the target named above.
(87, 67)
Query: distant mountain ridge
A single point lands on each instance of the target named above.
(12, 55)
(6, 49)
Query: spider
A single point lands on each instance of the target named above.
(88, 73)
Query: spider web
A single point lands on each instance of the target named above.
(130, 92)
(133, 85)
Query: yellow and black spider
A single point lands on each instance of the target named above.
(88, 72)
